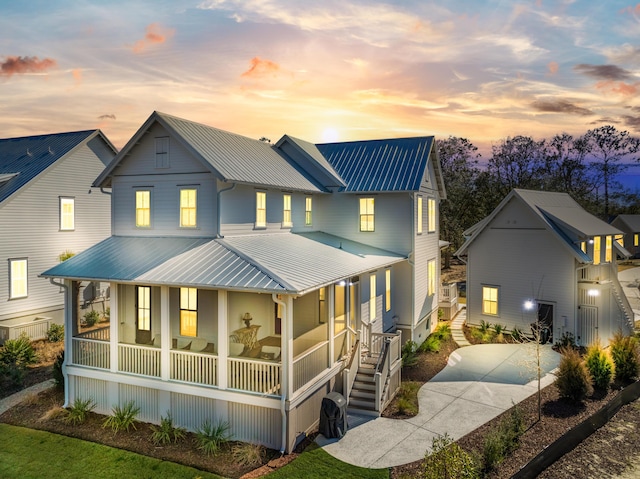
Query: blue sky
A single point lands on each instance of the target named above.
(322, 70)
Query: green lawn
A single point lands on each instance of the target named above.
(27, 453)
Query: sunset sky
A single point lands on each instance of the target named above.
(321, 70)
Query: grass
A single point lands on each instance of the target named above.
(26, 453)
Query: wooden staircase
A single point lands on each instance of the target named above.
(363, 392)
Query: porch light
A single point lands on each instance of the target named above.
(591, 241)
(528, 305)
(342, 283)
(593, 292)
(247, 319)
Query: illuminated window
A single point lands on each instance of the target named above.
(18, 278)
(322, 305)
(144, 308)
(596, 250)
(635, 239)
(490, 300)
(608, 246)
(308, 204)
(286, 210)
(372, 297)
(162, 152)
(431, 277)
(387, 290)
(261, 209)
(620, 240)
(67, 214)
(367, 217)
(143, 209)
(419, 214)
(188, 312)
(431, 207)
(188, 203)
(583, 246)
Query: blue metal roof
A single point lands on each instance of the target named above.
(380, 165)
(22, 159)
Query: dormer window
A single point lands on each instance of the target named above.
(162, 152)
(367, 215)
(67, 214)
(261, 209)
(286, 211)
(308, 205)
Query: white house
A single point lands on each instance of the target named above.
(47, 208)
(540, 256)
(248, 280)
(630, 226)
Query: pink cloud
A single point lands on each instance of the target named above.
(553, 68)
(631, 10)
(20, 65)
(618, 87)
(77, 75)
(260, 68)
(155, 34)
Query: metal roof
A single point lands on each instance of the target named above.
(22, 159)
(380, 165)
(631, 221)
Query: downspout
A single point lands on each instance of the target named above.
(218, 206)
(284, 386)
(104, 192)
(67, 342)
(575, 306)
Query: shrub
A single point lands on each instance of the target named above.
(19, 351)
(66, 255)
(78, 413)
(90, 318)
(503, 439)
(409, 354)
(443, 332)
(624, 352)
(210, 437)
(12, 372)
(166, 432)
(567, 340)
(573, 379)
(58, 376)
(55, 333)
(122, 417)
(600, 366)
(431, 344)
(517, 334)
(484, 326)
(248, 455)
(447, 461)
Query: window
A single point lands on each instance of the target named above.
(608, 246)
(431, 207)
(583, 246)
(188, 312)
(261, 209)
(67, 214)
(308, 204)
(596, 250)
(322, 305)
(143, 209)
(188, 203)
(419, 215)
(144, 308)
(635, 239)
(286, 210)
(490, 300)
(366, 214)
(620, 240)
(372, 297)
(431, 277)
(387, 290)
(162, 152)
(17, 278)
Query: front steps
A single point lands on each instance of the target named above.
(363, 392)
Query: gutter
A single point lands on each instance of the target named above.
(218, 235)
(67, 343)
(283, 383)
(104, 192)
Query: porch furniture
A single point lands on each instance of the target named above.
(248, 336)
(270, 352)
(235, 349)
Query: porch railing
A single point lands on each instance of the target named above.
(448, 292)
(253, 375)
(351, 371)
(140, 360)
(600, 272)
(91, 353)
(340, 345)
(102, 334)
(377, 342)
(387, 376)
(194, 368)
(309, 364)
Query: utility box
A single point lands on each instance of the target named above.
(333, 416)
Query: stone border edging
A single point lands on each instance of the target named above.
(579, 433)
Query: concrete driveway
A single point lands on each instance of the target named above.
(479, 383)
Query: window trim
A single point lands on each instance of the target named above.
(419, 207)
(431, 212)
(148, 191)
(261, 212)
(195, 208)
(287, 222)
(490, 300)
(308, 210)
(12, 294)
(367, 218)
(188, 308)
(72, 201)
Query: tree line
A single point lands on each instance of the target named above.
(587, 167)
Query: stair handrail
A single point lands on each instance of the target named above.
(382, 372)
(621, 297)
(350, 372)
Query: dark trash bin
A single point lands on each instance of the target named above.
(333, 416)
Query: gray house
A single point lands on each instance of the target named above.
(47, 208)
(248, 280)
(540, 257)
(630, 226)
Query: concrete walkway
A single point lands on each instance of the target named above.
(10, 401)
(456, 328)
(479, 383)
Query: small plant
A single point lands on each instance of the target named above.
(58, 376)
(106, 317)
(448, 460)
(567, 340)
(122, 417)
(409, 354)
(78, 413)
(498, 331)
(90, 318)
(443, 332)
(431, 344)
(624, 352)
(248, 455)
(166, 432)
(407, 401)
(18, 351)
(210, 437)
(517, 334)
(484, 326)
(66, 255)
(406, 406)
(600, 366)
(55, 333)
(503, 439)
(573, 379)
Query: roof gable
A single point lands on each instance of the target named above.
(632, 222)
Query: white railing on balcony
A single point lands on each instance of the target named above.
(140, 360)
(340, 345)
(193, 367)
(90, 353)
(309, 364)
(377, 341)
(448, 292)
(254, 375)
(600, 272)
(101, 334)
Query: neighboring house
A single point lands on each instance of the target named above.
(247, 278)
(47, 208)
(540, 256)
(630, 226)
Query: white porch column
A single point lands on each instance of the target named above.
(287, 346)
(223, 338)
(71, 330)
(331, 325)
(165, 334)
(114, 322)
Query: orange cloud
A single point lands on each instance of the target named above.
(261, 68)
(631, 10)
(618, 87)
(553, 68)
(21, 65)
(154, 34)
(77, 75)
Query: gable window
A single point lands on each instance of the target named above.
(387, 290)
(286, 210)
(17, 278)
(308, 205)
(608, 249)
(431, 210)
(372, 297)
(596, 250)
(490, 300)
(188, 312)
(143, 208)
(367, 217)
(261, 209)
(67, 214)
(419, 223)
(431, 277)
(635, 239)
(144, 308)
(162, 152)
(188, 204)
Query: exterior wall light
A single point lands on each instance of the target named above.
(529, 304)
(593, 292)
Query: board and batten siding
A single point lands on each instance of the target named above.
(31, 229)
